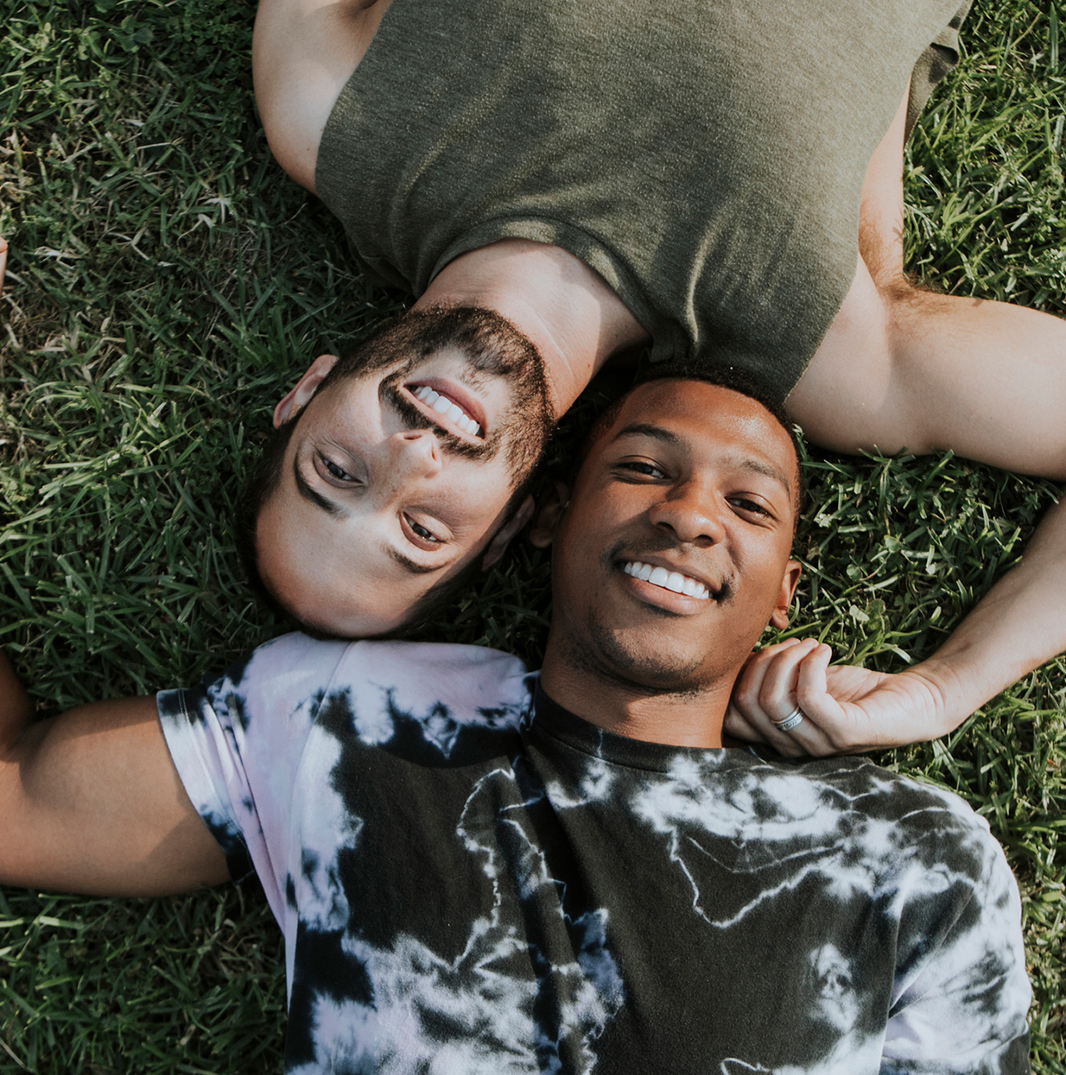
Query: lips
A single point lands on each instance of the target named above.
(668, 579)
(449, 407)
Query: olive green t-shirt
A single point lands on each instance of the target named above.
(706, 158)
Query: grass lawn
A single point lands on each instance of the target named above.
(166, 285)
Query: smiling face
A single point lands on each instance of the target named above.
(395, 479)
(672, 553)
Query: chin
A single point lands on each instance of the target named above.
(642, 659)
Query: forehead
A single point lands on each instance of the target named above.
(699, 415)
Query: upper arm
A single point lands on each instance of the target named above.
(303, 53)
(91, 802)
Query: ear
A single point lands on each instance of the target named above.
(498, 545)
(303, 390)
(779, 617)
(548, 515)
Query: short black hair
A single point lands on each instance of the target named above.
(730, 377)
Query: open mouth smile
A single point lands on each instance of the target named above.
(447, 408)
(668, 580)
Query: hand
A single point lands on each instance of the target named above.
(3, 262)
(846, 709)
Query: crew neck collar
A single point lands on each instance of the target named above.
(550, 718)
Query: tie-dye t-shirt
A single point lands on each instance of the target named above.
(472, 880)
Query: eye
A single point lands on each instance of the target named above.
(643, 468)
(337, 473)
(425, 536)
(747, 505)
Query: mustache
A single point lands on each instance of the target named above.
(661, 542)
(413, 418)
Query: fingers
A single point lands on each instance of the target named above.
(745, 718)
(772, 684)
(3, 262)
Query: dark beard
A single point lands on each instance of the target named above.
(597, 652)
(493, 347)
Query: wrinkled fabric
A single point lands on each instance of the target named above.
(471, 879)
(706, 159)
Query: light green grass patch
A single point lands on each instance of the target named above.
(167, 284)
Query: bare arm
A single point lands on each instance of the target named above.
(90, 802)
(1017, 626)
(303, 52)
(902, 368)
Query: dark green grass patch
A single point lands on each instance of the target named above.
(167, 285)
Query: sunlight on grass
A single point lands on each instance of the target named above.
(166, 286)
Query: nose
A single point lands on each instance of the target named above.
(414, 454)
(691, 513)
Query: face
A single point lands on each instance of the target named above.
(672, 552)
(392, 482)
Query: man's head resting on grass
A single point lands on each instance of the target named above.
(395, 473)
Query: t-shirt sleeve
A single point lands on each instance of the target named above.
(961, 998)
(237, 743)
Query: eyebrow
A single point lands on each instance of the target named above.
(745, 462)
(335, 510)
(412, 565)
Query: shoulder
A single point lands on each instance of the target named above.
(899, 821)
(295, 674)
(303, 53)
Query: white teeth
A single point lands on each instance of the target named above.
(668, 580)
(452, 411)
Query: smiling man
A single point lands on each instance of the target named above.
(481, 871)
(709, 182)
(389, 475)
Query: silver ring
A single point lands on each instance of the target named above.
(793, 720)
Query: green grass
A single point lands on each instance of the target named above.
(166, 286)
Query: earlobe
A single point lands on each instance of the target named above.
(779, 617)
(303, 390)
(548, 514)
(498, 545)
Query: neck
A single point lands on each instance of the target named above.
(562, 306)
(686, 717)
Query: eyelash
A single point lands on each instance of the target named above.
(427, 536)
(336, 472)
(749, 505)
(642, 468)
(339, 474)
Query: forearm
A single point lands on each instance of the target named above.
(1016, 627)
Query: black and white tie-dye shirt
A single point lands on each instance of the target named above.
(472, 880)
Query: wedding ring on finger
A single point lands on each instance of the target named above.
(793, 720)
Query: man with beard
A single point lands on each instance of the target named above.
(402, 465)
(481, 870)
(709, 181)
